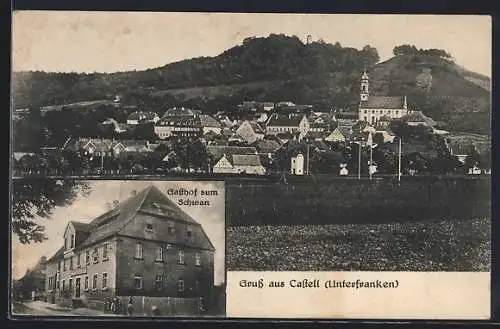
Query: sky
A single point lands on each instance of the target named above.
(121, 41)
(212, 219)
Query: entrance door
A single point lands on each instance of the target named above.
(77, 288)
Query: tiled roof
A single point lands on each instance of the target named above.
(216, 152)
(208, 121)
(383, 102)
(150, 201)
(140, 115)
(418, 116)
(179, 120)
(284, 120)
(79, 226)
(245, 160)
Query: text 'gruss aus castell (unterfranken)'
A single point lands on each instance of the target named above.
(315, 283)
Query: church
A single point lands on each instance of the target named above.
(372, 108)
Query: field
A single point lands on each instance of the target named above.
(451, 245)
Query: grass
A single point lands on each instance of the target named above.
(462, 245)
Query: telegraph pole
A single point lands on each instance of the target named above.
(359, 160)
(399, 161)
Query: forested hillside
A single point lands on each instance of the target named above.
(277, 68)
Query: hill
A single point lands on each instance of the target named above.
(276, 68)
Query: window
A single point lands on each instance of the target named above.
(180, 285)
(58, 266)
(70, 284)
(159, 254)
(104, 281)
(105, 252)
(72, 241)
(189, 233)
(95, 255)
(171, 228)
(58, 286)
(63, 285)
(71, 263)
(149, 227)
(86, 283)
(159, 282)
(78, 262)
(64, 265)
(94, 282)
(87, 257)
(138, 281)
(197, 259)
(181, 257)
(138, 251)
(169, 246)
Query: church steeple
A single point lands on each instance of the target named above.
(364, 93)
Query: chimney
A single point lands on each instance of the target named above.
(115, 204)
(134, 193)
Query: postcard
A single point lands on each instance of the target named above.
(251, 165)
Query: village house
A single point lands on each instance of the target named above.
(372, 108)
(107, 147)
(178, 126)
(145, 248)
(417, 118)
(287, 124)
(139, 117)
(209, 124)
(250, 131)
(336, 136)
(235, 160)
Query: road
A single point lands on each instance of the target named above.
(43, 308)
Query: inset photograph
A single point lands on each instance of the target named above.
(118, 248)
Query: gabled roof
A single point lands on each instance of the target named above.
(277, 120)
(383, 102)
(142, 115)
(217, 151)
(208, 121)
(151, 201)
(245, 160)
(179, 120)
(80, 227)
(418, 116)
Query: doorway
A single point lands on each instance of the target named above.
(77, 288)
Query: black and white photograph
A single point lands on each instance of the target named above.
(118, 248)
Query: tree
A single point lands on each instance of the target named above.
(34, 199)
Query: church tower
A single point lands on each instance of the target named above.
(364, 87)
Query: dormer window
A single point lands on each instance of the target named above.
(189, 233)
(149, 227)
(72, 242)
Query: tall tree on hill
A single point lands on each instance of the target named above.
(34, 199)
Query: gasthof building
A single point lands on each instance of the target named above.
(144, 247)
